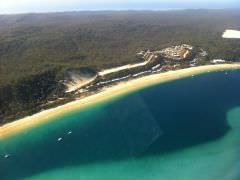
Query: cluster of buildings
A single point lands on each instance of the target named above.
(168, 59)
(218, 61)
(176, 52)
(147, 55)
(173, 55)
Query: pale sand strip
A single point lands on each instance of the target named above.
(129, 66)
(27, 122)
(231, 34)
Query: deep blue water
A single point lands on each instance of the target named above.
(161, 121)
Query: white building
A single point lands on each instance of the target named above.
(218, 61)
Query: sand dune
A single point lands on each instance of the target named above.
(231, 34)
(123, 87)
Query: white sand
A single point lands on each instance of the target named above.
(231, 34)
(129, 66)
(78, 82)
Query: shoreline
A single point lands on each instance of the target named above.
(107, 93)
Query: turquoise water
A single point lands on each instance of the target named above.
(184, 129)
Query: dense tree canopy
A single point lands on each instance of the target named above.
(36, 49)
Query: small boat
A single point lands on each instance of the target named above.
(6, 156)
(60, 139)
(69, 132)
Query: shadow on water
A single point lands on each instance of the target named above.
(157, 120)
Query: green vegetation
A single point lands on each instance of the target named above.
(36, 49)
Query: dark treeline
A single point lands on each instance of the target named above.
(24, 96)
(32, 45)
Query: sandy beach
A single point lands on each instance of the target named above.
(123, 87)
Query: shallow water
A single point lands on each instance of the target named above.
(184, 129)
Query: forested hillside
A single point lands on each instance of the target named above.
(36, 49)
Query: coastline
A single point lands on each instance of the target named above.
(107, 93)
